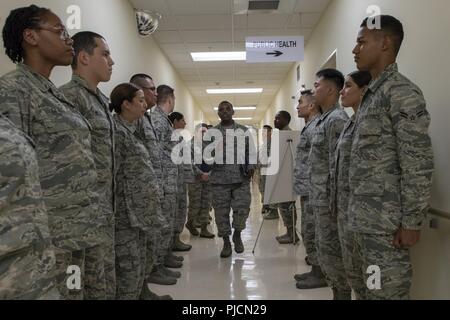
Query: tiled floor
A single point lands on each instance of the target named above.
(265, 275)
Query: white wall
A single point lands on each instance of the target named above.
(114, 19)
(424, 59)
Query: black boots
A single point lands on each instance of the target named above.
(238, 245)
(226, 251)
(312, 280)
(237, 240)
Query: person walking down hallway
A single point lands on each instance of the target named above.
(230, 182)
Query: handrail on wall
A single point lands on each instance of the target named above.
(440, 213)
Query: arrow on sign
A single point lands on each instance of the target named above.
(276, 53)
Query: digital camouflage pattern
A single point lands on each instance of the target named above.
(27, 261)
(326, 134)
(94, 106)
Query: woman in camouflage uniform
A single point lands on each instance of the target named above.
(138, 195)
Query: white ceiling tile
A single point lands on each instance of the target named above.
(196, 7)
(201, 36)
(267, 21)
(167, 37)
(310, 20)
(168, 23)
(311, 5)
(216, 47)
(204, 22)
(206, 25)
(240, 21)
(178, 56)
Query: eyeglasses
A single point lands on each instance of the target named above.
(62, 31)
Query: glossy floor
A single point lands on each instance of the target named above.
(265, 275)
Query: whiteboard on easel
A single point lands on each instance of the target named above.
(280, 172)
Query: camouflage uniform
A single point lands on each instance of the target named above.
(27, 262)
(302, 177)
(326, 133)
(155, 243)
(163, 132)
(138, 207)
(339, 208)
(66, 164)
(391, 166)
(199, 192)
(187, 173)
(93, 105)
(230, 190)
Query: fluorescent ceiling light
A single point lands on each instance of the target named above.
(219, 56)
(240, 108)
(232, 91)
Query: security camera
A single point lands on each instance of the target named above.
(147, 22)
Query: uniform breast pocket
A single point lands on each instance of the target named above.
(369, 140)
(319, 138)
(303, 144)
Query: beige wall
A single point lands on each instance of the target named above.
(424, 59)
(114, 19)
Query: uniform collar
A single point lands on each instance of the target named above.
(129, 126)
(376, 83)
(83, 83)
(287, 128)
(41, 82)
(233, 125)
(326, 114)
(312, 120)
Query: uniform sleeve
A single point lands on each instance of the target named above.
(334, 133)
(411, 122)
(78, 98)
(16, 213)
(15, 105)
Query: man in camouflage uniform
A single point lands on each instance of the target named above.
(156, 272)
(328, 129)
(391, 162)
(61, 135)
(199, 196)
(27, 262)
(287, 210)
(163, 131)
(309, 111)
(93, 64)
(230, 182)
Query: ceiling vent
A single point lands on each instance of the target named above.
(263, 5)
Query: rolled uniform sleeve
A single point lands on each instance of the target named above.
(411, 122)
